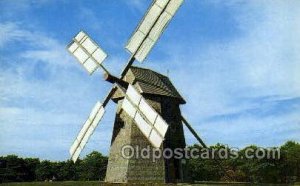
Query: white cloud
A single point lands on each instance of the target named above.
(262, 61)
(89, 18)
(46, 97)
(139, 5)
(215, 80)
(12, 32)
(268, 131)
(11, 8)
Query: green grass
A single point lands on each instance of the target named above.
(76, 183)
(98, 183)
(65, 183)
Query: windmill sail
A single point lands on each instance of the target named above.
(86, 131)
(150, 29)
(87, 52)
(152, 125)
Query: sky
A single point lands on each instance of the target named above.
(236, 63)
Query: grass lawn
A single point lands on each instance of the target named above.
(65, 183)
(98, 183)
(74, 183)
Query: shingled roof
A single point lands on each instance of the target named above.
(150, 82)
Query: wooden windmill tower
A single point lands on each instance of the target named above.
(147, 104)
(158, 91)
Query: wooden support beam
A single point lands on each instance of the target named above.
(204, 146)
(193, 132)
(113, 79)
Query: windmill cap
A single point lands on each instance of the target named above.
(150, 82)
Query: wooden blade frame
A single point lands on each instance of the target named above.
(151, 124)
(86, 131)
(87, 52)
(80, 142)
(151, 27)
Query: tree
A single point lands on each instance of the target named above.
(290, 154)
(13, 169)
(69, 170)
(30, 166)
(44, 171)
(93, 166)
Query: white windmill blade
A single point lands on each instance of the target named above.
(151, 27)
(87, 52)
(152, 125)
(87, 130)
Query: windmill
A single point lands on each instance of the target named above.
(147, 103)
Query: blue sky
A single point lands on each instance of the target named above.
(237, 64)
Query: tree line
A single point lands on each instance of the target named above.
(281, 169)
(16, 169)
(286, 169)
